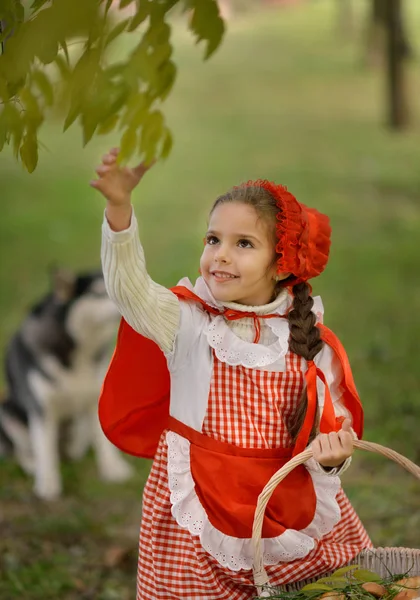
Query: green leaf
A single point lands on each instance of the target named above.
(44, 85)
(151, 134)
(63, 44)
(37, 4)
(116, 31)
(336, 582)
(344, 570)
(74, 112)
(19, 11)
(48, 50)
(108, 125)
(89, 124)
(124, 3)
(365, 575)
(7, 30)
(128, 143)
(33, 113)
(207, 24)
(12, 125)
(29, 152)
(162, 53)
(108, 6)
(167, 76)
(4, 91)
(62, 66)
(17, 129)
(143, 11)
(167, 144)
(84, 72)
(316, 586)
(136, 109)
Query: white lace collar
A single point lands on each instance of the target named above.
(231, 349)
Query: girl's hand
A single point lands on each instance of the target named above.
(116, 183)
(332, 449)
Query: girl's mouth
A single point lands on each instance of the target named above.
(223, 276)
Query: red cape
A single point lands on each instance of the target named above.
(134, 400)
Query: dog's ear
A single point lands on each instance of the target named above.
(63, 283)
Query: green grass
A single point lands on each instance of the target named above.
(284, 98)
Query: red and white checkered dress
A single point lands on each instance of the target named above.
(247, 408)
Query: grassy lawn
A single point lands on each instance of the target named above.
(284, 98)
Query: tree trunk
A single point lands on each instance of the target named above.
(398, 113)
(376, 34)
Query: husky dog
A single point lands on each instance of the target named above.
(55, 365)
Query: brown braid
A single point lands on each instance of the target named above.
(305, 340)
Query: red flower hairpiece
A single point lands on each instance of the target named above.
(304, 234)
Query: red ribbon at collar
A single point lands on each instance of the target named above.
(229, 313)
(233, 315)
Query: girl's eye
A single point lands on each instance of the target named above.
(245, 244)
(211, 240)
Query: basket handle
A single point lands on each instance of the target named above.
(259, 572)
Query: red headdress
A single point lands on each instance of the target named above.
(304, 234)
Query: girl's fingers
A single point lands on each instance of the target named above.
(325, 442)
(346, 425)
(335, 443)
(114, 151)
(102, 170)
(316, 447)
(97, 184)
(109, 159)
(346, 440)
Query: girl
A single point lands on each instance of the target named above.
(222, 383)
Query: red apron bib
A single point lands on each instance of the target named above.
(228, 480)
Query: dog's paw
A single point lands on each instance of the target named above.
(48, 490)
(117, 471)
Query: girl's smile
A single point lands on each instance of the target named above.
(223, 276)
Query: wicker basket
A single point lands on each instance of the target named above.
(384, 561)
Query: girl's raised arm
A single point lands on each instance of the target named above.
(151, 309)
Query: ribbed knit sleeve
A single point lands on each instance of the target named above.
(151, 309)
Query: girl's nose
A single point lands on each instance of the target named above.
(222, 255)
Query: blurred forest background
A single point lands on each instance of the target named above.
(298, 92)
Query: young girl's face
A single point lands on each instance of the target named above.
(238, 261)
